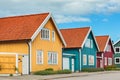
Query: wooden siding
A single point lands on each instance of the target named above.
(11, 48)
(45, 46)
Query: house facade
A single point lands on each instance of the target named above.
(106, 53)
(81, 49)
(30, 43)
(117, 53)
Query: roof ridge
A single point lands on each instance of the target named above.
(16, 16)
(74, 28)
(103, 36)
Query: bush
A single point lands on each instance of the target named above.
(49, 72)
(45, 72)
(11, 75)
(92, 69)
(113, 67)
(65, 71)
(49, 69)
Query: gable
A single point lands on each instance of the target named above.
(92, 42)
(117, 44)
(111, 46)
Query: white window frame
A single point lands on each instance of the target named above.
(39, 56)
(89, 61)
(53, 54)
(115, 49)
(109, 61)
(53, 35)
(115, 60)
(84, 59)
(105, 61)
(46, 34)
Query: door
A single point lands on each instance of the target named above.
(66, 63)
(25, 64)
(72, 65)
(101, 64)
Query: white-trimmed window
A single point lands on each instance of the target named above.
(105, 60)
(109, 61)
(117, 60)
(91, 60)
(39, 55)
(53, 35)
(117, 49)
(89, 43)
(84, 59)
(108, 49)
(45, 34)
(52, 58)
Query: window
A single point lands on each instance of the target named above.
(109, 61)
(84, 59)
(52, 58)
(108, 49)
(117, 60)
(53, 35)
(45, 34)
(39, 57)
(91, 60)
(105, 60)
(89, 43)
(117, 49)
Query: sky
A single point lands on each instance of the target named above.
(103, 16)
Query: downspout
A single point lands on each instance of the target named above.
(29, 61)
(80, 60)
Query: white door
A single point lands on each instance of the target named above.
(101, 64)
(25, 64)
(72, 65)
(66, 63)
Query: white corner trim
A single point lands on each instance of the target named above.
(58, 31)
(80, 59)
(40, 27)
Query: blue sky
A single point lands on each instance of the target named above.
(102, 15)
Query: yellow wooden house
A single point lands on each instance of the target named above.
(30, 43)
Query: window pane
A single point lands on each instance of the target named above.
(117, 50)
(84, 60)
(117, 60)
(39, 57)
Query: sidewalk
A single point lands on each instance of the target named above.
(56, 76)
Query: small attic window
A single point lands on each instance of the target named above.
(45, 34)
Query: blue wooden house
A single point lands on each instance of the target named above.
(81, 49)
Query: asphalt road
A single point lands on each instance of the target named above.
(108, 76)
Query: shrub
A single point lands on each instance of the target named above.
(45, 72)
(11, 75)
(49, 72)
(49, 69)
(65, 71)
(92, 69)
(112, 67)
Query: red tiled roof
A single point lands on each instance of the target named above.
(20, 27)
(75, 37)
(102, 41)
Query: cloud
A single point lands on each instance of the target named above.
(63, 8)
(69, 19)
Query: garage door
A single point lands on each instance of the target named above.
(66, 63)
